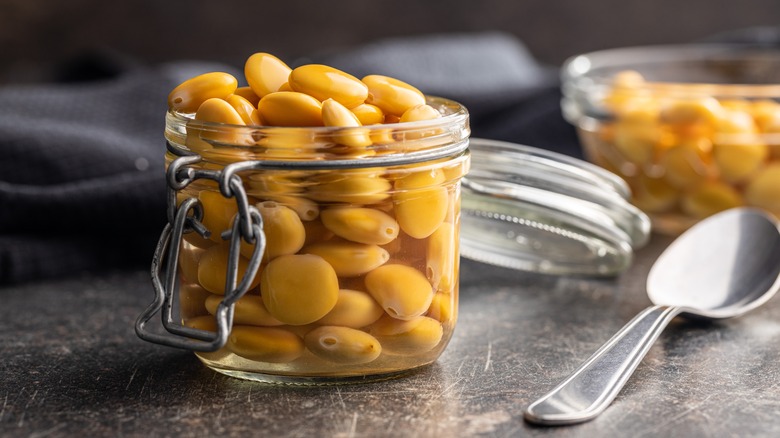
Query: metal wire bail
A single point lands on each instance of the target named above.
(186, 218)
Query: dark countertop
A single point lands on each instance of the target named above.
(72, 365)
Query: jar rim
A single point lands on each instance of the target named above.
(320, 146)
(456, 114)
(588, 72)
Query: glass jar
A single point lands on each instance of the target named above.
(693, 129)
(312, 255)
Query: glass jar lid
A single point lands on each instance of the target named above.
(535, 210)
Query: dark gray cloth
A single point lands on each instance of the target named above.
(81, 172)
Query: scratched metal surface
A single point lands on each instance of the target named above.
(72, 366)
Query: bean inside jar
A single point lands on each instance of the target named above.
(359, 273)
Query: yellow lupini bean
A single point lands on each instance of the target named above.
(212, 269)
(360, 224)
(710, 198)
(290, 142)
(189, 256)
(420, 112)
(765, 113)
(220, 111)
(264, 184)
(628, 79)
(368, 114)
(442, 307)
(290, 108)
(440, 257)
(245, 109)
(190, 94)
(349, 259)
(284, 232)
(192, 299)
(342, 345)
(265, 344)
(203, 322)
(382, 136)
(420, 202)
(627, 90)
(347, 152)
(306, 209)
(654, 194)
(738, 151)
(299, 289)
(323, 82)
(392, 96)
(248, 310)
(248, 94)
(686, 164)
(354, 309)
(402, 291)
(351, 188)
(218, 212)
(637, 135)
(337, 115)
(770, 125)
(736, 104)
(417, 114)
(692, 111)
(764, 189)
(265, 73)
(414, 336)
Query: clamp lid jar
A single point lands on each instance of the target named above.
(300, 256)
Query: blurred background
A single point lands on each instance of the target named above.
(39, 37)
(91, 158)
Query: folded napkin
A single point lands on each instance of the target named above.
(82, 182)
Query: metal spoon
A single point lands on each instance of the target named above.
(722, 267)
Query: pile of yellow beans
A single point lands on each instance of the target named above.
(360, 270)
(685, 152)
(305, 97)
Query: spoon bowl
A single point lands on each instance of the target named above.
(722, 267)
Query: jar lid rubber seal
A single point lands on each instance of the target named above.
(535, 210)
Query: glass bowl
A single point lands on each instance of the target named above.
(693, 129)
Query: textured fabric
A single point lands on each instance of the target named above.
(81, 165)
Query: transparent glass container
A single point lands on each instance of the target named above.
(314, 255)
(693, 129)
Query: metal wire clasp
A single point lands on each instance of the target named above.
(186, 218)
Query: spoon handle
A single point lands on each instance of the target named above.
(592, 387)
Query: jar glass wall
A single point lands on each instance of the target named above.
(359, 275)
